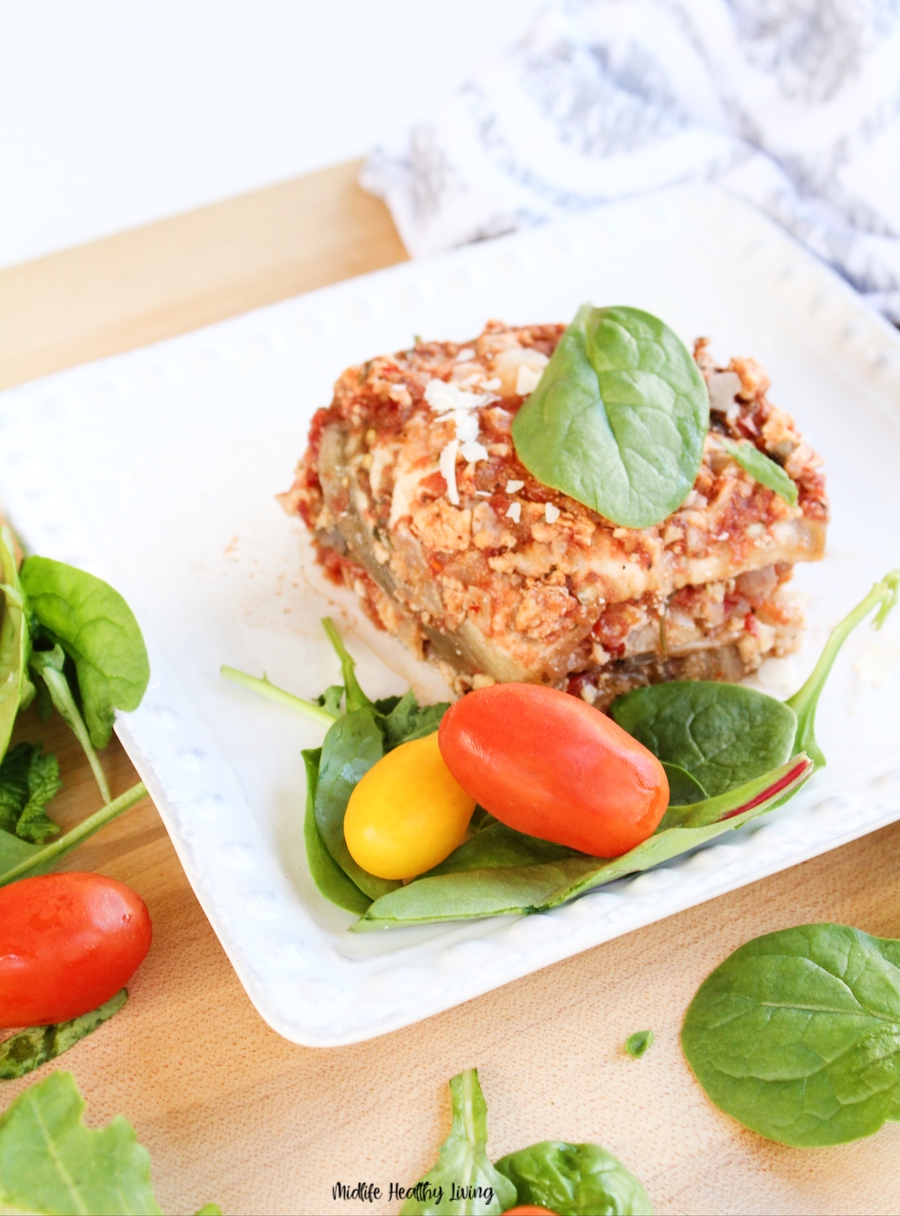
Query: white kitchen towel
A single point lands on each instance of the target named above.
(793, 105)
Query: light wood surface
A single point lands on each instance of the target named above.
(233, 1113)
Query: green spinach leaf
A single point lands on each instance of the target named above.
(352, 745)
(94, 625)
(463, 1182)
(49, 667)
(618, 418)
(328, 876)
(28, 780)
(638, 1043)
(15, 642)
(723, 735)
(31, 1048)
(797, 1034)
(536, 888)
(683, 788)
(574, 1180)
(762, 468)
(407, 720)
(881, 600)
(496, 846)
(19, 859)
(51, 1163)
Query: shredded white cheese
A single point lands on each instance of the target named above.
(465, 355)
(513, 487)
(447, 465)
(551, 513)
(527, 379)
(514, 512)
(444, 397)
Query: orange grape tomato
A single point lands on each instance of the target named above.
(528, 1209)
(68, 942)
(550, 765)
(407, 813)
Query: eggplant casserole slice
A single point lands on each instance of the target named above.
(416, 500)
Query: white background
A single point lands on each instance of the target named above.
(114, 113)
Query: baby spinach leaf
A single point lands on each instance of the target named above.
(407, 720)
(49, 666)
(683, 788)
(352, 745)
(51, 1163)
(496, 846)
(15, 642)
(574, 1179)
(722, 735)
(637, 1044)
(31, 1048)
(463, 1176)
(762, 468)
(355, 697)
(28, 780)
(618, 418)
(328, 876)
(18, 859)
(804, 702)
(94, 625)
(797, 1034)
(520, 889)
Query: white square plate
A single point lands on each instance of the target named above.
(157, 470)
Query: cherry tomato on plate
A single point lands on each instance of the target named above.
(68, 942)
(407, 813)
(550, 765)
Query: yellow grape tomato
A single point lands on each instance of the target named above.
(407, 813)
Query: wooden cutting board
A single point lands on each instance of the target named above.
(231, 1112)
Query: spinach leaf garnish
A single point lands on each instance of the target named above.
(31, 1048)
(463, 1168)
(618, 418)
(762, 468)
(20, 859)
(328, 876)
(15, 643)
(51, 1163)
(96, 628)
(637, 1044)
(28, 780)
(721, 735)
(571, 1179)
(48, 666)
(797, 1034)
(724, 734)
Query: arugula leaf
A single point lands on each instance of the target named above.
(722, 735)
(51, 1163)
(97, 629)
(797, 1034)
(328, 876)
(15, 642)
(762, 468)
(31, 1048)
(573, 1179)
(352, 745)
(28, 780)
(18, 859)
(463, 1166)
(618, 418)
(637, 1044)
(883, 598)
(49, 665)
(501, 890)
